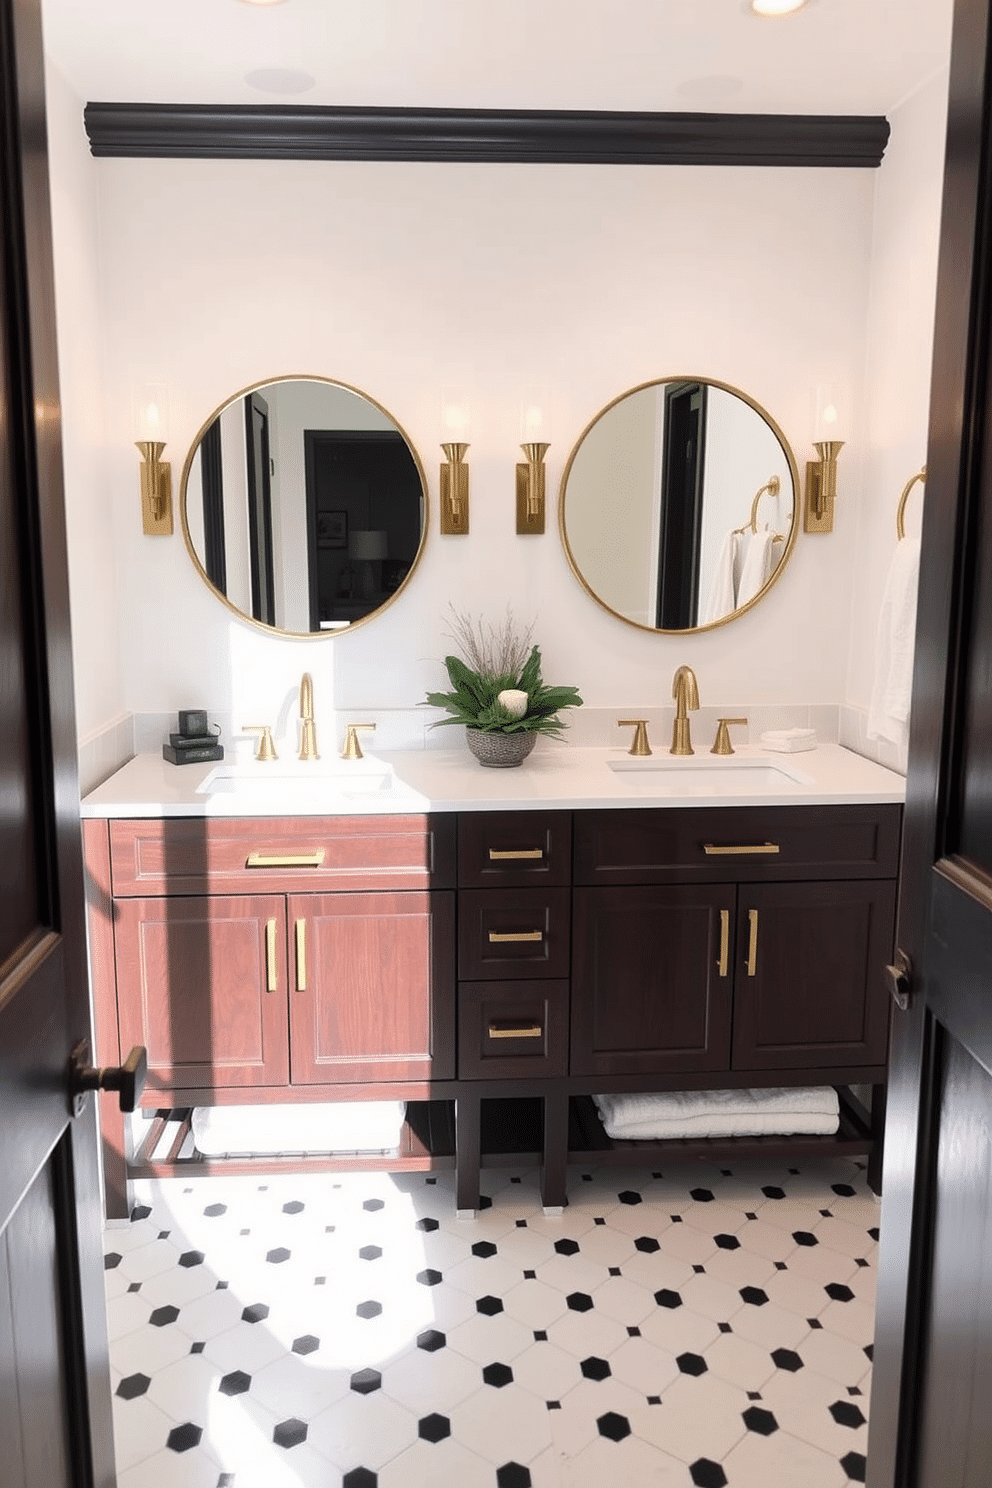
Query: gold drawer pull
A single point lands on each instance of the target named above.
(286, 860)
(712, 850)
(497, 855)
(752, 948)
(724, 941)
(301, 955)
(498, 937)
(271, 969)
(501, 1030)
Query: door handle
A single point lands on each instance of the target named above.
(286, 860)
(752, 943)
(498, 937)
(507, 855)
(739, 849)
(128, 1079)
(900, 979)
(723, 963)
(271, 969)
(515, 1030)
(301, 955)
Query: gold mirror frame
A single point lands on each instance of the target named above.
(275, 630)
(790, 543)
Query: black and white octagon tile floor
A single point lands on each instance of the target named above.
(700, 1326)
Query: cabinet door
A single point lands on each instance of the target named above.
(652, 970)
(373, 995)
(202, 983)
(809, 983)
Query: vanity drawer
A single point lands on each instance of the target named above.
(513, 933)
(186, 855)
(509, 1030)
(514, 848)
(737, 843)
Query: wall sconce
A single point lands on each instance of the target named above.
(821, 474)
(454, 473)
(156, 473)
(535, 426)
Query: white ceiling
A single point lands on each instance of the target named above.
(836, 56)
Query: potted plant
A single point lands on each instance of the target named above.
(497, 691)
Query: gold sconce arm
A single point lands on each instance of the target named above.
(821, 486)
(454, 491)
(156, 489)
(531, 489)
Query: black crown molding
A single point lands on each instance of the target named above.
(525, 136)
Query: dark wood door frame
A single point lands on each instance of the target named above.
(48, 1171)
(960, 425)
(260, 540)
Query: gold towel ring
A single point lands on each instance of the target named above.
(920, 476)
(772, 488)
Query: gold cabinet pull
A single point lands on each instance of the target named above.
(503, 1030)
(271, 969)
(286, 860)
(499, 855)
(713, 850)
(723, 964)
(752, 944)
(499, 937)
(301, 955)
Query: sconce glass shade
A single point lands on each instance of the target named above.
(830, 413)
(151, 413)
(535, 416)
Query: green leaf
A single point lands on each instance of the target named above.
(530, 677)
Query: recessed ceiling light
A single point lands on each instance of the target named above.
(776, 7)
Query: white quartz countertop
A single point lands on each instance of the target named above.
(555, 777)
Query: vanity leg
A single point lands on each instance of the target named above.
(877, 1135)
(554, 1168)
(468, 1154)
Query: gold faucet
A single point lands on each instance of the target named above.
(685, 691)
(308, 733)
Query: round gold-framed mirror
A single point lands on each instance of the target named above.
(679, 505)
(304, 506)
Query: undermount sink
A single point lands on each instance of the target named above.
(694, 776)
(295, 782)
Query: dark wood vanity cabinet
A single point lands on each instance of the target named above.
(771, 958)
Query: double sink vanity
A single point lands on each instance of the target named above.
(492, 947)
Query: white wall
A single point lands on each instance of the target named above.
(96, 603)
(899, 349)
(385, 276)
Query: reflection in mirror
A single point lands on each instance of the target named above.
(304, 505)
(678, 504)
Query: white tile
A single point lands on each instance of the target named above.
(740, 1267)
(140, 1429)
(632, 1462)
(534, 1304)
(821, 1264)
(711, 1297)
(504, 1425)
(679, 1330)
(571, 1273)
(546, 1371)
(758, 1461)
(126, 1313)
(484, 1339)
(426, 1381)
(739, 1361)
(153, 1258)
(183, 1389)
(700, 1416)
(207, 1316)
(582, 1333)
(622, 1300)
(179, 1286)
(797, 1293)
(644, 1366)
(247, 1346)
(147, 1350)
(771, 1326)
(446, 1465)
(656, 1270)
(771, 1242)
(193, 1469)
(831, 1355)
(483, 1276)
(363, 1429)
(848, 1239)
(853, 1320)
(685, 1243)
(296, 1385)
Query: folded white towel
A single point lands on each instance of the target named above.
(722, 598)
(759, 564)
(717, 1113)
(348, 1126)
(888, 712)
(789, 741)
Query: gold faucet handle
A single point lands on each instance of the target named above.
(639, 744)
(722, 744)
(266, 749)
(352, 749)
